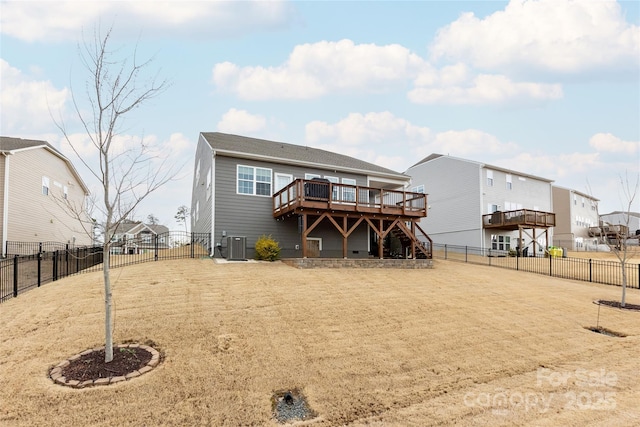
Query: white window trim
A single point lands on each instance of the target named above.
(255, 181)
(346, 190)
(45, 185)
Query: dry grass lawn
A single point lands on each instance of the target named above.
(456, 345)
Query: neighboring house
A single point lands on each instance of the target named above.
(37, 184)
(576, 213)
(624, 221)
(135, 237)
(313, 202)
(484, 206)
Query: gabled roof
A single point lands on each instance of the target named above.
(579, 193)
(135, 227)
(634, 214)
(482, 165)
(280, 152)
(9, 145)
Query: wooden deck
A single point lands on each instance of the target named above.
(521, 218)
(349, 206)
(303, 195)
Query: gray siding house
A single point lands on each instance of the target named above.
(36, 184)
(576, 213)
(484, 206)
(244, 188)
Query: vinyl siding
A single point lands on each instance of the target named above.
(201, 212)
(458, 196)
(252, 216)
(455, 215)
(34, 217)
(3, 162)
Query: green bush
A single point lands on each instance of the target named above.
(267, 249)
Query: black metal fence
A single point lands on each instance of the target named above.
(589, 270)
(20, 272)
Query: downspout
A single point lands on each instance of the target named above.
(5, 204)
(481, 187)
(213, 203)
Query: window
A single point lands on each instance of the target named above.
(509, 182)
(45, 185)
(254, 181)
(575, 199)
(311, 176)
(198, 173)
(490, 178)
(65, 192)
(348, 193)
(197, 215)
(583, 202)
(333, 180)
(492, 208)
(418, 189)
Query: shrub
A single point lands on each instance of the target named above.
(267, 249)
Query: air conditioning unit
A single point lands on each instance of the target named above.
(237, 248)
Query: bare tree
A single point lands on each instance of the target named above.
(152, 219)
(619, 245)
(128, 171)
(182, 215)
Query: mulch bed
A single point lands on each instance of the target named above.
(92, 366)
(616, 304)
(88, 368)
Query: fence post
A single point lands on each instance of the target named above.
(518, 261)
(156, 247)
(192, 243)
(445, 251)
(590, 270)
(39, 268)
(66, 260)
(55, 265)
(15, 276)
(466, 254)
(550, 263)
(77, 260)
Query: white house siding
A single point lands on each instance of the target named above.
(201, 212)
(3, 217)
(34, 217)
(526, 192)
(453, 188)
(458, 196)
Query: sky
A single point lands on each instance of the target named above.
(548, 88)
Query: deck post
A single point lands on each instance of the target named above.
(344, 237)
(380, 241)
(304, 235)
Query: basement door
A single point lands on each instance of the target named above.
(313, 247)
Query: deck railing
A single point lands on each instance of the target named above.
(316, 194)
(524, 217)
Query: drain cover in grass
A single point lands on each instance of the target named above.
(291, 405)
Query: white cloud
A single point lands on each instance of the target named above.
(606, 142)
(453, 85)
(62, 20)
(26, 102)
(552, 35)
(241, 122)
(379, 137)
(312, 70)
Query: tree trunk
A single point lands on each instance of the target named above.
(108, 330)
(624, 283)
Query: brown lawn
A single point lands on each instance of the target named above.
(456, 345)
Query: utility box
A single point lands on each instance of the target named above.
(237, 248)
